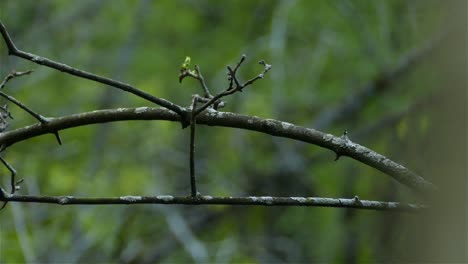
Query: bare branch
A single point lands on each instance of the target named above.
(24, 107)
(210, 200)
(13, 183)
(239, 63)
(12, 50)
(193, 120)
(238, 87)
(12, 75)
(227, 119)
(202, 83)
(260, 76)
(10, 98)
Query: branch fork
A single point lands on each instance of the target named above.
(209, 100)
(15, 185)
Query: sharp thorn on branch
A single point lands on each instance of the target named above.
(345, 136)
(337, 157)
(57, 136)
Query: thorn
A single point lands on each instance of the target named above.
(337, 156)
(3, 194)
(57, 136)
(357, 200)
(345, 136)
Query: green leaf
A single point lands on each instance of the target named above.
(186, 63)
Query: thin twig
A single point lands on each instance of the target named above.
(260, 76)
(233, 77)
(24, 107)
(211, 200)
(10, 98)
(239, 63)
(6, 112)
(13, 183)
(12, 75)
(212, 101)
(202, 83)
(238, 87)
(12, 175)
(13, 50)
(193, 120)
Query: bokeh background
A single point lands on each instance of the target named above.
(392, 73)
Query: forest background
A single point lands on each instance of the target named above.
(391, 73)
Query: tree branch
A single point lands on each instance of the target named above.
(193, 123)
(209, 200)
(201, 79)
(13, 50)
(238, 87)
(37, 116)
(227, 119)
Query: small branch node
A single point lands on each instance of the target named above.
(196, 197)
(356, 200)
(345, 136)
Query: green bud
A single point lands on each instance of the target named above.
(186, 63)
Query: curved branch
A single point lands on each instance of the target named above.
(340, 145)
(209, 200)
(13, 50)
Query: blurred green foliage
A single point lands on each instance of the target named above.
(321, 51)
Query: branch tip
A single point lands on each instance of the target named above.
(242, 59)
